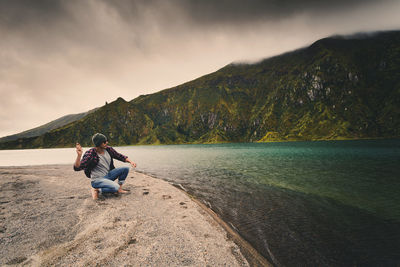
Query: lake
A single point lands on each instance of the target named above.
(333, 203)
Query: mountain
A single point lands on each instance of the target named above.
(47, 127)
(341, 87)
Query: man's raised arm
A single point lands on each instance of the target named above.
(78, 158)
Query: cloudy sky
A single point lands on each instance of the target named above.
(60, 57)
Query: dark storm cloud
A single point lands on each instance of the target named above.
(50, 26)
(17, 13)
(14, 14)
(211, 12)
(237, 11)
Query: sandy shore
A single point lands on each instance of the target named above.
(47, 218)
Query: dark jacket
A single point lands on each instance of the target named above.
(91, 159)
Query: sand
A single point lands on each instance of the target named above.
(48, 218)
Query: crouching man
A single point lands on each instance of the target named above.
(99, 166)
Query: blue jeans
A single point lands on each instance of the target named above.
(106, 183)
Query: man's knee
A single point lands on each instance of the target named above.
(122, 170)
(125, 171)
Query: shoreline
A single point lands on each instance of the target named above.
(47, 217)
(222, 143)
(253, 257)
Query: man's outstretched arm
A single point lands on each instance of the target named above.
(114, 154)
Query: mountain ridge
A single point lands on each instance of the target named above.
(336, 88)
(54, 124)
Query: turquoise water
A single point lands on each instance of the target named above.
(362, 174)
(299, 203)
(333, 203)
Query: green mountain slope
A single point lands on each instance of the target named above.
(338, 88)
(47, 127)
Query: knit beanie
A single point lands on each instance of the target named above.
(98, 139)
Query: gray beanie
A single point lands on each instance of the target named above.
(98, 139)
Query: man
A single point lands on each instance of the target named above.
(99, 166)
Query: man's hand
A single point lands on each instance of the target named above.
(133, 164)
(78, 149)
(78, 158)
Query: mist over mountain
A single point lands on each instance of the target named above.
(337, 88)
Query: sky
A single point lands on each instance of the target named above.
(60, 57)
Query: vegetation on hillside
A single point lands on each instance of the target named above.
(338, 88)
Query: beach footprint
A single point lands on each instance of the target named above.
(17, 260)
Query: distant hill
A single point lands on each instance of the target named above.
(47, 127)
(337, 88)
